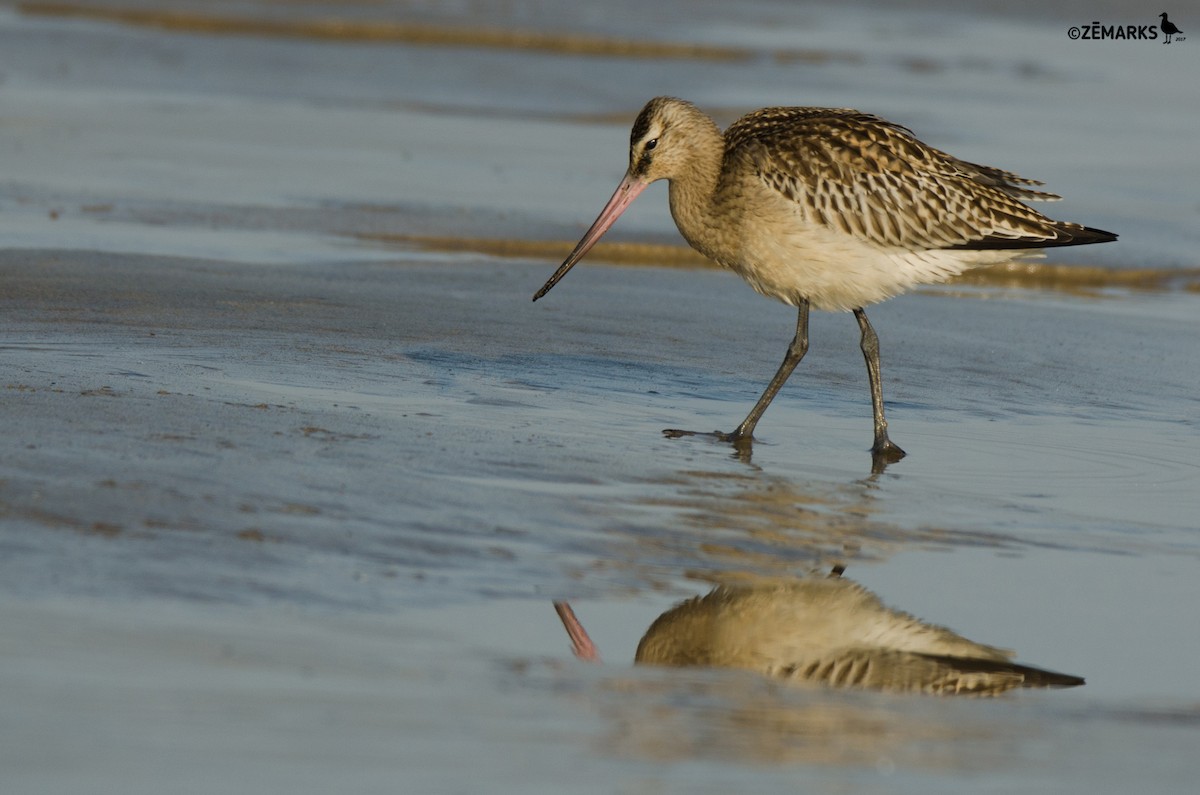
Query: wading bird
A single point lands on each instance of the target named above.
(830, 208)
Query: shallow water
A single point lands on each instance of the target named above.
(292, 474)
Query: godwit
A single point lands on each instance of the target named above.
(1168, 27)
(826, 207)
(829, 631)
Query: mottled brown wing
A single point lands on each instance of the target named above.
(872, 179)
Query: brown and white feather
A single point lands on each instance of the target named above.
(867, 177)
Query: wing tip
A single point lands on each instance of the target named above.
(1065, 234)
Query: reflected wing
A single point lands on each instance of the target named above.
(897, 671)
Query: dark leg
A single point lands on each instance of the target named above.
(795, 352)
(883, 451)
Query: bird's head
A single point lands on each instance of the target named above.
(663, 137)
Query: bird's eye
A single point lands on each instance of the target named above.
(653, 142)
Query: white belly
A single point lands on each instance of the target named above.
(782, 255)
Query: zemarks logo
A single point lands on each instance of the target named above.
(1100, 32)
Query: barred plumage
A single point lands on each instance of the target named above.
(868, 177)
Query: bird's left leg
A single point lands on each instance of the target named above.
(884, 451)
(795, 352)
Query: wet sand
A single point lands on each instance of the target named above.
(240, 460)
(293, 468)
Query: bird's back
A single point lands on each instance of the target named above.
(873, 179)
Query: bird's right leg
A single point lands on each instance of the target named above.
(884, 451)
(795, 353)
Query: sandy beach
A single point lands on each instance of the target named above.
(293, 468)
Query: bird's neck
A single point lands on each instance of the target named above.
(692, 191)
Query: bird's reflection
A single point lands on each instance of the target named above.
(823, 631)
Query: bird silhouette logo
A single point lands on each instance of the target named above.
(1168, 27)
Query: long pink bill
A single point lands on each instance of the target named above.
(624, 195)
(581, 643)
